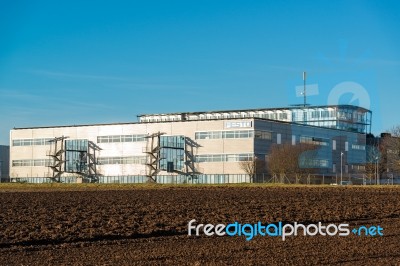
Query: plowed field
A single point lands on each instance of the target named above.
(149, 226)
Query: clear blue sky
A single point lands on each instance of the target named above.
(78, 62)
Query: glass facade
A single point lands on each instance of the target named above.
(172, 153)
(76, 155)
(328, 145)
(344, 117)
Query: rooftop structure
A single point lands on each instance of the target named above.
(345, 117)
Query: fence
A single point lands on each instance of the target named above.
(161, 179)
(216, 179)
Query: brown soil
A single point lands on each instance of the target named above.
(149, 226)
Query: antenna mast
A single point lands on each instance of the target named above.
(304, 90)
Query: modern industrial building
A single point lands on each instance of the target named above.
(202, 146)
(4, 162)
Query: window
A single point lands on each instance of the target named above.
(315, 114)
(233, 134)
(102, 139)
(224, 157)
(314, 141)
(230, 158)
(323, 163)
(245, 157)
(293, 139)
(242, 134)
(115, 139)
(263, 134)
(319, 163)
(334, 145)
(128, 138)
(358, 147)
(229, 134)
(334, 168)
(278, 138)
(324, 114)
(346, 146)
(172, 142)
(304, 116)
(31, 142)
(216, 135)
(122, 160)
(315, 163)
(29, 162)
(217, 158)
(121, 138)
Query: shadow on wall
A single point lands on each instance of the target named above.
(4, 163)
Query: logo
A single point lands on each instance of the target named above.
(360, 95)
(238, 124)
(249, 231)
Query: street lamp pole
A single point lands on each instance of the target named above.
(304, 88)
(341, 168)
(376, 170)
(255, 168)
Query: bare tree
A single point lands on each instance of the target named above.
(287, 160)
(252, 167)
(390, 146)
(374, 161)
